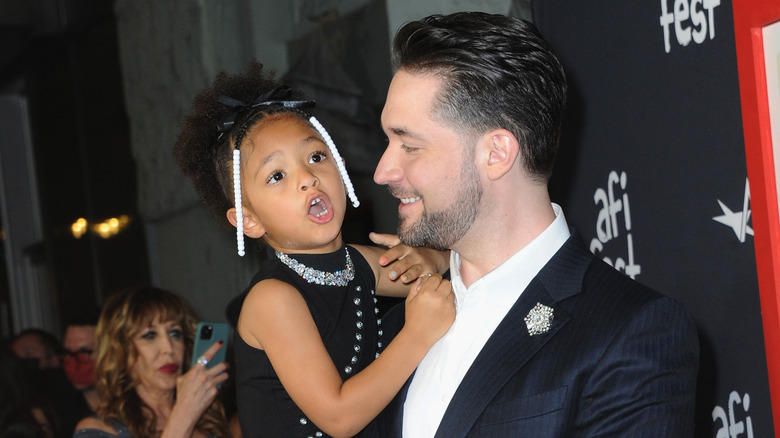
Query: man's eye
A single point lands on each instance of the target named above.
(408, 148)
(275, 177)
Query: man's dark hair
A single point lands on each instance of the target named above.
(85, 317)
(498, 73)
(49, 341)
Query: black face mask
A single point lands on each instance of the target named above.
(28, 365)
(45, 381)
(54, 379)
(29, 370)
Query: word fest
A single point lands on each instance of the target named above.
(688, 20)
(609, 220)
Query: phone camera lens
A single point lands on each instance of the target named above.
(206, 332)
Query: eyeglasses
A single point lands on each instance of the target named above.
(82, 355)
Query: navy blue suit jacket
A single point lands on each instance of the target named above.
(619, 360)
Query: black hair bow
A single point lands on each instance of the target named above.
(278, 97)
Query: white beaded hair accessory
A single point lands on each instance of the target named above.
(278, 97)
(237, 182)
(339, 161)
(237, 201)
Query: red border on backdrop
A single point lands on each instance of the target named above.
(749, 18)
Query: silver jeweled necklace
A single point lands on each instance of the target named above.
(311, 275)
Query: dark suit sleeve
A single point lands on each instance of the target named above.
(645, 383)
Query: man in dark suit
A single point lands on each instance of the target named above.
(548, 340)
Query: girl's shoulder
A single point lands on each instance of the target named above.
(270, 289)
(269, 296)
(368, 252)
(262, 306)
(268, 271)
(367, 258)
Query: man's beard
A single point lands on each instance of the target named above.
(441, 229)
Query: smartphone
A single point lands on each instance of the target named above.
(206, 335)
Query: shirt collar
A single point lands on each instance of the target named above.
(530, 259)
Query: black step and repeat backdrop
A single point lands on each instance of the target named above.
(652, 172)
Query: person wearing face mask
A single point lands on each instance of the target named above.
(79, 357)
(40, 360)
(21, 412)
(144, 343)
(39, 346)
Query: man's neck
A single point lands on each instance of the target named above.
(92, 398)
(497, 237)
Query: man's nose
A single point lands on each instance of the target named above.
(387, 170)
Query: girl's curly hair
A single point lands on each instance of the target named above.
(125, 315)
(202, 153)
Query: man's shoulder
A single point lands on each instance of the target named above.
(608, 288)
(614, 295)
(574, 269)
(611, 282)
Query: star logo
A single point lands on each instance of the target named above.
(737, 220)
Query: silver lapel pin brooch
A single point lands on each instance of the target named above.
(539, 319)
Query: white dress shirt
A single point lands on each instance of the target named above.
(480, 308)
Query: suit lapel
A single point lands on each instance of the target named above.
(511, 347)
(396, 413)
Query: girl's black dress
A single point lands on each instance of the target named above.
(346, 317)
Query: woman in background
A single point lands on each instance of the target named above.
(144, 344)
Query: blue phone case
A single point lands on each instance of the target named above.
(206, 335)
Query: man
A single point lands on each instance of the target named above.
(39, 346)
(79, 362)
(548, 340)
(43, 371)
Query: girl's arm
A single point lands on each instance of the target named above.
(400, 264)
(275, 318)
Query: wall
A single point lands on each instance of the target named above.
(653, 173)
(170, 50)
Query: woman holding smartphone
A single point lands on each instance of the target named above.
(144, 346)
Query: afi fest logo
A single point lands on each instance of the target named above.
(613, 222)
(729, 426)
(688, 20)
(737, 220)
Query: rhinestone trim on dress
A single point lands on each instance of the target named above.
(311, 275)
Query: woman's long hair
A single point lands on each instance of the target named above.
(124, 316)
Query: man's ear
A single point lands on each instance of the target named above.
(502, 149)
(252, 227)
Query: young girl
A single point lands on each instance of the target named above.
(307, 338)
